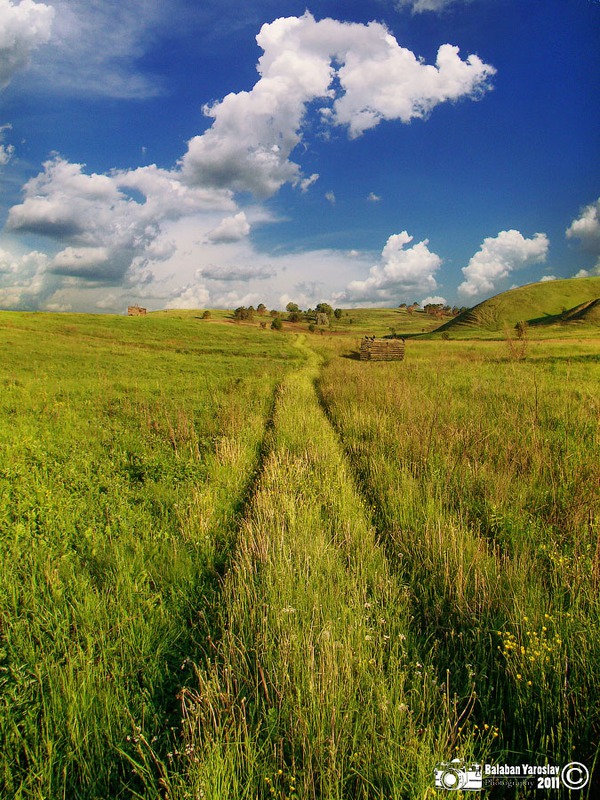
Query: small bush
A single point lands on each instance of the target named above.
(277, 324)
(206, 315)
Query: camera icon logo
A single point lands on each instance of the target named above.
(456, 775)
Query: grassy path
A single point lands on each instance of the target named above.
(314, 630)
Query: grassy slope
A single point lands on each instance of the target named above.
(535, 303)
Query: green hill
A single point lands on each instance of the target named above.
(561, 302)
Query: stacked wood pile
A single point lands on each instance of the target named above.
(136, 311)
(372, 349)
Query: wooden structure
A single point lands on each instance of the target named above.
(136, 311)
(372, 349)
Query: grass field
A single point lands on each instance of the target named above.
(237, 563)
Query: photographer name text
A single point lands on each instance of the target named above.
(524, 770)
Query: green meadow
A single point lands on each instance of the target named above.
(241, 563)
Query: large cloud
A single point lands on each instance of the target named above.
(586, 228)
(402, 272)
(23, 27)
(106, 230)
(498, 257)
(360, 75)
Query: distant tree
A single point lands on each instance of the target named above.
(324, 308)
(402, 305)
(292, 307)
(273, 312)
(337, 313)
(261, 308)
(243, 313)
(295, 316)
(206, 315)
(312, 327)
(277, 324)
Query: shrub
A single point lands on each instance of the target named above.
(206, 315)
(277, 324)
(521, 329)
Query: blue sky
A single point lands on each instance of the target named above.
(179, 154)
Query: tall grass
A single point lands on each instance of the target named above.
(483, 473)
(127, 448)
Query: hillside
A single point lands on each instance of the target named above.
(560, 302)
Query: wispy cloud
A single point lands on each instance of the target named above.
(420, 6)
(95, 47)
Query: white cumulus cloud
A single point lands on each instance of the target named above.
(106, 230)
(498, 257)
(194, 295)
(403, 271)
(23, 281)
(586, 228)
(23, 28)
(360, 74)
(230, 229)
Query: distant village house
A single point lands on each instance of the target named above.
(136, 311)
